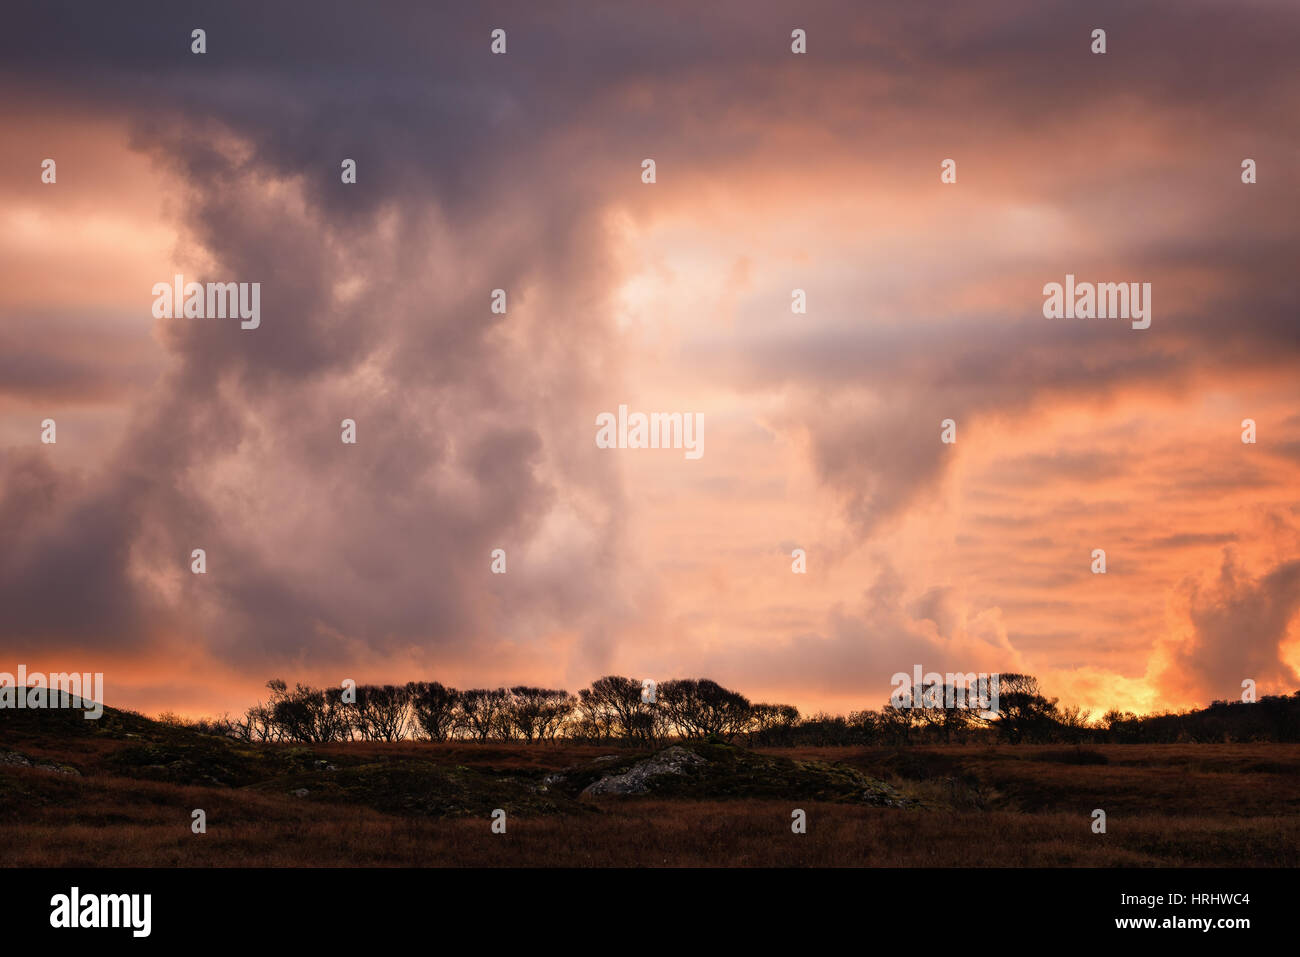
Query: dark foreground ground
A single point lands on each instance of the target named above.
(121, 791)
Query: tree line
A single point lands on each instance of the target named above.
(619, 710)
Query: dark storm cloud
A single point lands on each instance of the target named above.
(450, 465)
(477, 172)
(64, 566)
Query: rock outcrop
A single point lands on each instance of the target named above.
(638, 778)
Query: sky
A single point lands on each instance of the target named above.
(774, 171)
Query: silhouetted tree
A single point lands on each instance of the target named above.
(700, 707)
(309, 714)
(613, 706)
(482, 713)
(434, 708)
(1023, 713)
(896, 723)
(613, 709)
(536, 713)
(382, 712)
(864, 727)
(772, 724)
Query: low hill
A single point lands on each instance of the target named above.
(415, 778)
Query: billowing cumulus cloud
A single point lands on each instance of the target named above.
(1238, 625)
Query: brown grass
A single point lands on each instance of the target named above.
(1167, 805)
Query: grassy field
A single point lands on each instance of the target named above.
(420, 804)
